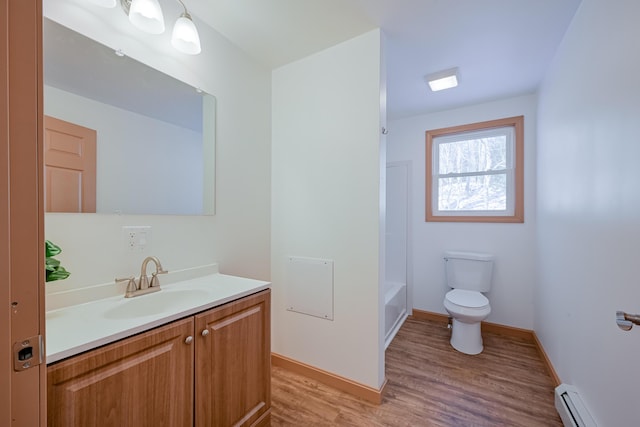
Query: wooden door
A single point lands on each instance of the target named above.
(22, 389)
(233, 363)
(70, 167)
(145, 380)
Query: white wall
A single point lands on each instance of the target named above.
(326, 198)
(238, 235)
(511, 295)
(142, 164)
(588, 209)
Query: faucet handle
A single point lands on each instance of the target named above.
(132, 286)
(154, 276)
(124, 279)
(154, 279)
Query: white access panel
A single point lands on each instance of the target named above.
(309, 286)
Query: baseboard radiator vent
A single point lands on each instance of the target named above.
(571, 407)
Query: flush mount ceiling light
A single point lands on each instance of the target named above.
(185, 36)
(443, 79)
(147, 16)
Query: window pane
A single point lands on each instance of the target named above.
(473, 155)
(473, 193)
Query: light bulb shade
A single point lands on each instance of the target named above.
(104, 3)
(147, 16)
(185, 36)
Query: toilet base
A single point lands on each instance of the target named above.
(466, 337)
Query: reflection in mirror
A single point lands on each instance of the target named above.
(154, 134)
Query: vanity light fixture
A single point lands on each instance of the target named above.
(185, 36)
(443, 79)
(147, 16)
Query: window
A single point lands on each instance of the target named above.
(474, 173)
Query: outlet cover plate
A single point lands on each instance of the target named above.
(136, 238)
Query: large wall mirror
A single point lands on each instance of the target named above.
(155, 135)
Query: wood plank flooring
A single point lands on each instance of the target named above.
(431, 384)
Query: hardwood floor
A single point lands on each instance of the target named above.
(431, 384)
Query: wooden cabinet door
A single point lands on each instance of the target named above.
(145, 380)
(233, 363)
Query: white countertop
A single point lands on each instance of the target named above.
(77, 328)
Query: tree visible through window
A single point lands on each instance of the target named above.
(474, 172)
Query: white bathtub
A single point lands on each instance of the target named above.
(395, 309)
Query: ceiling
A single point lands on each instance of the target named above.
(502, 47)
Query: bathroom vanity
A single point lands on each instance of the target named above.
(181, 364)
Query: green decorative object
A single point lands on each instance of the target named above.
(52, 266)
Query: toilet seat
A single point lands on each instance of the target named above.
(467, 299)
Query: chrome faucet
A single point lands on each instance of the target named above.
(143, 286)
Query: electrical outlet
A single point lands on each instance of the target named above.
(137, 238)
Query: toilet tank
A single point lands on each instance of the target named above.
(469, 270)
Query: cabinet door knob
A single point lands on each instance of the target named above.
(205, 332)
(188, 340)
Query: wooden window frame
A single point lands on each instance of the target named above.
(518, 210)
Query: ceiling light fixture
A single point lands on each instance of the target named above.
(185, 36)
(443, 79)
(147, 16)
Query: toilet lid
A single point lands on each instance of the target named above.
(466, 298)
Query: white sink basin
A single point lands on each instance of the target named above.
(153, 304)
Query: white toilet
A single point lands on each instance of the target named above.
(469, 274)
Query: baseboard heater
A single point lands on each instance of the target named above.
(571, 407)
